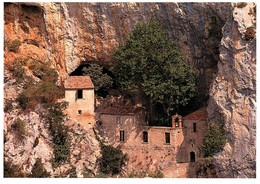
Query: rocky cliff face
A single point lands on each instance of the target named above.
(71, 34)
(233, 93)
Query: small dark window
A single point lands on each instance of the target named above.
(79, 112)
(118, 119)
(177, 122)
(80, 93)
(192, 156)
(122, 136)
(145, 136)
(194, 127)
(167, 138)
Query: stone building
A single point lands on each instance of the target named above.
(79, 92)
(154, 147)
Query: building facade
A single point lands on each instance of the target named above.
(154, 147)
(79, 92)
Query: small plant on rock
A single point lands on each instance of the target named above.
(38, 171)
(14, 45)
(19, 128)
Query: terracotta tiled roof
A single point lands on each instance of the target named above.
(78, 82)
(200, 114)
(122, 110)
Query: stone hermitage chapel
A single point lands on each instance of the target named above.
(148, 147)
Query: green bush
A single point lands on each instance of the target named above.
(12, 170)
(59, 132)
(38, 171)
(14, 45)
(8, 105)
(156, 174)
(17, 70)
(214, 139)
(19, 128)
(112, 159)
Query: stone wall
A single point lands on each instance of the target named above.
(86, 105)
(156, 153)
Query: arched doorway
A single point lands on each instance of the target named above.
(192, 156)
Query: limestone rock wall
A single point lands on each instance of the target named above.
(233, 93)
(69, 34)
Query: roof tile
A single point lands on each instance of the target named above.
(200, 114)
(78, 82)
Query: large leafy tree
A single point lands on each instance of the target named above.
(150, 63)
(101, 80)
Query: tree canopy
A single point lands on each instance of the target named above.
(150, 63)
(101, 80)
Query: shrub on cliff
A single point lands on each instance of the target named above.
(59, 132)
(46, 91)
(17, 70)
(12, 170)
(38, 171)
(19, 128)
(14, 45)
(150, 63)
(214, 139)
(112, 159)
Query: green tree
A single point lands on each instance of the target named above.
(38, 171)
(214, 139)
(150, 64)
(112, 159)
(100, 80)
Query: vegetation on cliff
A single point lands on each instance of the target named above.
(112, 159)
(100, 80)
(150, 64)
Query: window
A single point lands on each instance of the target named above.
(79, 112)
(145, 136)
(177, 122)
(167, 138)
(118, 119)
(194, 127)
(122, 136)
(80, 94)
(192, 156)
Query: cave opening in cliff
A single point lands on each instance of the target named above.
(101, 92)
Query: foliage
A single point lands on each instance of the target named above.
(12, 170)
(71, 172)
(149, 63)
(19, 128)
(156, 174)
(101, 175)
(112, 159)
(17, 70)
(14, 45)
(43, 71)
(59, 132)
(8, 105)
(100, 80)
(214, 139)
(213, 28)
(38, 171)
(45, 92)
